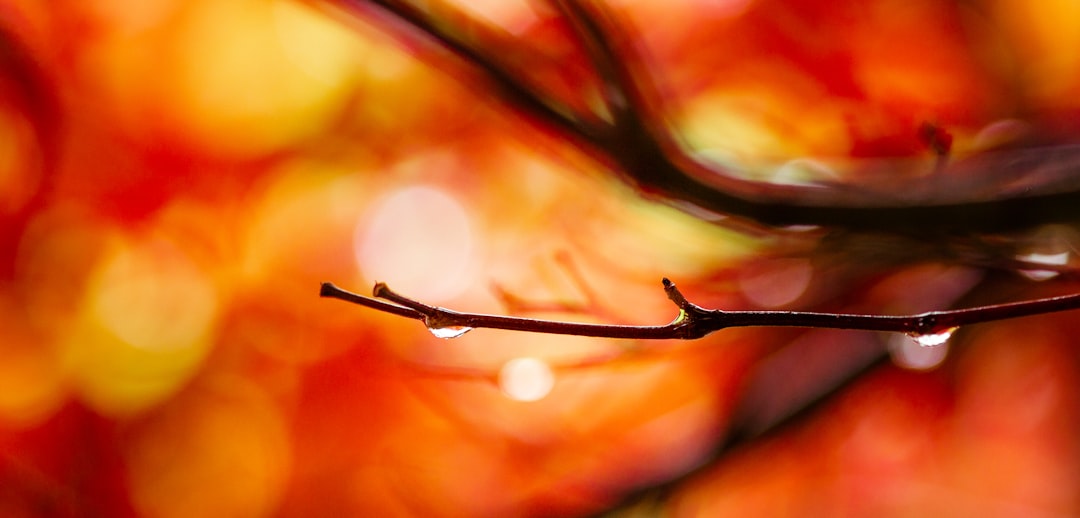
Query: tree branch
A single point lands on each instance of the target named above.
(694, 321)
(988, 192)
(506, 82)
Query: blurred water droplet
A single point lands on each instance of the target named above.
(449, 331)
(1052, 246)
(1058, 259)
(526, 379)
(933, 339)
(400, 236)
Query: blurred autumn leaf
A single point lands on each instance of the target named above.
(176, 178)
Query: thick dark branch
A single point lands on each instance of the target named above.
(651, 156)
(694, 321)
(987, 192)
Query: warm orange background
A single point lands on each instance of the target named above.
(177, 178)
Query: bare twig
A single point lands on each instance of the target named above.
(694, 321)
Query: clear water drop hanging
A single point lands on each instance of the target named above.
(909, 354)
(933, 339)
(449, 331)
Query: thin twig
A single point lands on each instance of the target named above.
(694, 321)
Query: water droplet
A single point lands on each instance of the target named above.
(1053, 246)
(1058, 259)
(933, 339)
(526, 379)
(909, 353)
(449, 331)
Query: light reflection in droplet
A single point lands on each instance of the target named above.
(1058, 259)
(449, 332)
(920, 352)
(420, 240)
(526, 379)
(1048, 245)
(933, 339)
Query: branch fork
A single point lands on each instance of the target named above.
(694, 321)
(638, 139)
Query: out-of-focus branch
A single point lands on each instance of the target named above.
(979, 193)
(482, 47)
(694, 321)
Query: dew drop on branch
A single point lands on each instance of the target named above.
(920, 351)
(1051, 246)
(1057, 259)
(449, 331)
(933, 339)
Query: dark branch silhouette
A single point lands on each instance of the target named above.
(694, 321)
(979, 193)
(928, 201)
(963, 196)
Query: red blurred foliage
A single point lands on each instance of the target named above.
(176, 178)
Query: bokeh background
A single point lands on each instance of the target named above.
(178, 177)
